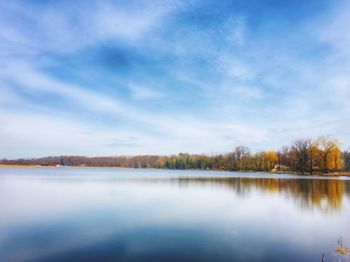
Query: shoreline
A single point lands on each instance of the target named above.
(335, 174)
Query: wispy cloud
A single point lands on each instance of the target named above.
(109, 77)
(144, 93)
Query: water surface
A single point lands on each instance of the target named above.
(95, 214)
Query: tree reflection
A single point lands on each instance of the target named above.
(322, 194)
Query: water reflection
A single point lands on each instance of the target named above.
(101, 215)
(322, 194)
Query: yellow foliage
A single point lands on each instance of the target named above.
(328, 154)
(270, 160)
(334, 160)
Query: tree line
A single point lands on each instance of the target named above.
(322, 155)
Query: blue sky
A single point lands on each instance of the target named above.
(162, 77)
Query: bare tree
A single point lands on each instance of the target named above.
(241, 152)
(301, 153)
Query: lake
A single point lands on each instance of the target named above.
(115, 214)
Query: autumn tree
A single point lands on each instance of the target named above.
(270, 160)
(302, 156)
(329, 150)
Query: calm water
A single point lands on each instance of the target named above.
(72, 214)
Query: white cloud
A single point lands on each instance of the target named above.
(235, 30)
(143, 93)
(28, 134)
(333, 30)
(246, 96)
(57, 29)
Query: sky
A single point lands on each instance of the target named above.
(161, 77)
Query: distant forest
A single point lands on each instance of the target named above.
(322, 155)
